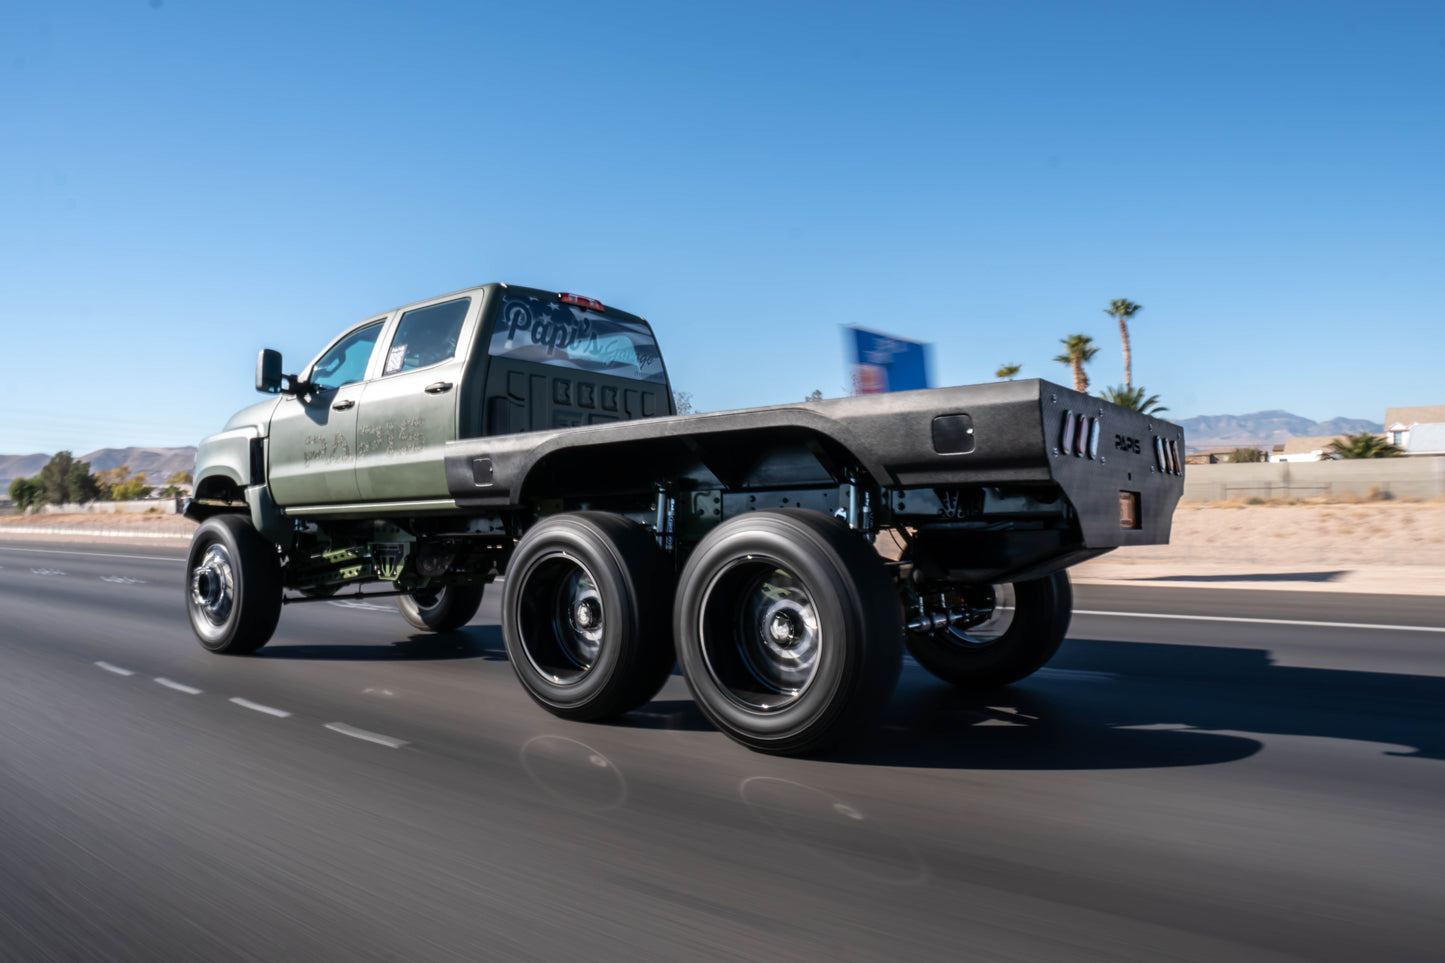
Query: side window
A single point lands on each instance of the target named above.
(426, 336)
(346, 362)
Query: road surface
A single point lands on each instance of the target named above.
(1201, 774)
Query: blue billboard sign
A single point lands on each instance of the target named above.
(882, 362)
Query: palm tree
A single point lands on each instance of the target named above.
(1079, 350)
(1007, 371)
(1363, 445)
(1122, 310)
(1135, 399)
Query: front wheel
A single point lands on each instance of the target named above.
(233, 586)
(788, 631)
(1027, 625)
(441, 609)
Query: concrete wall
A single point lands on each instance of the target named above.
(1422, 477)
(166, 506)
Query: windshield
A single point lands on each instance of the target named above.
(571, 336)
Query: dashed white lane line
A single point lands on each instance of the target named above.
(366, 606)
(114, 668)
(366, 736)
(257, 707)
(122, 580)
(1076, 675)
(178, 686)
(46, 571)
(1231, 618)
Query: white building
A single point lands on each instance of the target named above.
(1308, 448)
(1419, 430)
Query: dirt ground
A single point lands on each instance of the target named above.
(1393, 547)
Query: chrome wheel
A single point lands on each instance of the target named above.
(761, 634)
(232, 586)
(562, 619)
(213, 585)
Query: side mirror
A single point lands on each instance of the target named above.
(268, 371)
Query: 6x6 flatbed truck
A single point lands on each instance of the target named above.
(524, 435)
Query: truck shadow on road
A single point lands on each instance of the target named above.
(1330, 576)
(1099, 705)
(1119, 705)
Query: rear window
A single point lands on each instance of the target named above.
(571, 336)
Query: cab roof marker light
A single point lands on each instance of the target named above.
(1066, 443)
(1159, 453)
(580, 301)
(1082, 441)
(1174, 454)
(1093, 438)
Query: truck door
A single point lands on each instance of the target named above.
(408, 414)
(313, 436)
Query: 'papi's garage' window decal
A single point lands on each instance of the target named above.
(569, 336)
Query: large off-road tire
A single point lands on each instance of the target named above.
(788, 630)
(233, 586)
(441, 609)
(1013, 645)
(585, 615)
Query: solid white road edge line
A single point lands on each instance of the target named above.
(257, 707)
(178, 686)
(1230, 618)
(114, 668)
(56, 551)
(363, 734)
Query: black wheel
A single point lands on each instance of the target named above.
(788, 630)
(585, 615)
(1027, 625)
(441, 609)
(233, 586)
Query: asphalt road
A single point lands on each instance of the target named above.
(1233, 787)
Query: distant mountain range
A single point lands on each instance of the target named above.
(1264, 428)
(157, 463)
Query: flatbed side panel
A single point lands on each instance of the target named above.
(892, 437)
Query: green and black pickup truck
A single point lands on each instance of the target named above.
(782, 556)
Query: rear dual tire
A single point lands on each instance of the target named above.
(1032, 633)
(788, 630)
(584, 615)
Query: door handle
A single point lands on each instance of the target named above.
(343, 405)
(437, 387)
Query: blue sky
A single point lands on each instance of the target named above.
(185, 182)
